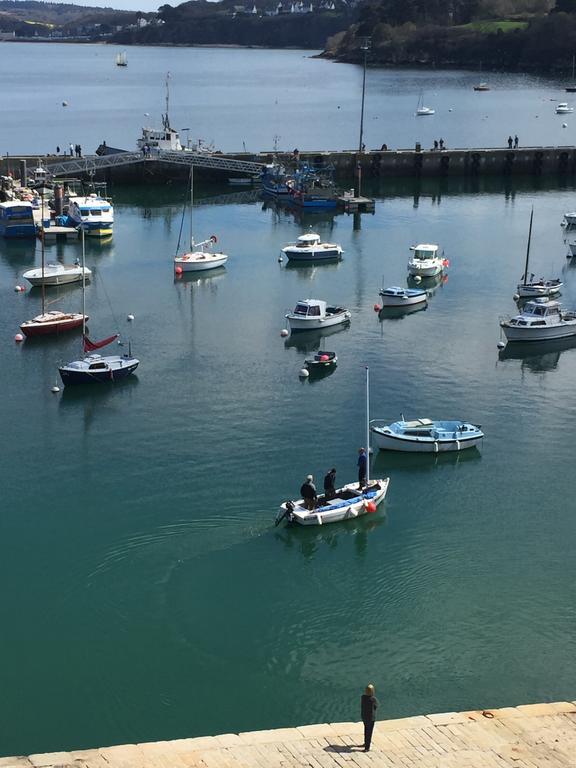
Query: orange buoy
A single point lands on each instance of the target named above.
(370, 506)
(377, 307)
(178, 270)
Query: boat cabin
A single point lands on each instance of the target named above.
(538, 313)
(163, 138)
(310, 238)
(424, 251)
(17, 219)
(310, 308)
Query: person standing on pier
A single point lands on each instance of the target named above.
(71, 149)
(368, 707)
(515, 142)
(509, 142)
(362, 467)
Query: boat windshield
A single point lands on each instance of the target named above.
(301, 309)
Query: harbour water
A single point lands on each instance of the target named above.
(146, 594)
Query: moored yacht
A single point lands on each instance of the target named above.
(311, 314)
(309, 247)
(540, 320)
(426, 261)
(563, 109)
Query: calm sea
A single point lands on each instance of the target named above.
(146, 594)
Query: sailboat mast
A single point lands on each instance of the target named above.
(528, 247)
(83, 284)
(191, 206)
(42, 250)
(367, 426)
(167, 100)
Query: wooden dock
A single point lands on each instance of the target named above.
(528, 736)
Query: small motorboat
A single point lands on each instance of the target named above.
(426, 436)
(349, 502)
(57, 274)
(540, 320)
(402, 297)
(426, 261)
(563, 109)
(541, 287)
(52, 322)
(312, 314)
(569, 219)
(482, 87)
(309, 247)
(321, 361)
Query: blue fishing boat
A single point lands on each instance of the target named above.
(274, 181)
(17, 219)
(426, 436)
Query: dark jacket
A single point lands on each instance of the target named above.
(368, 705)
(329, 482)
(308, 490)
(362, 462)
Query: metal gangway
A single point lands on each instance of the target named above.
(91, 164)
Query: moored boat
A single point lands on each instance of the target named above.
(426, 436)
(530, 288)
(17, 219)
(94, 213)
(402, 297)
(482, 87)
(563, 109)
(309, 247)
(52, 323)
(539, 320)
(321, 361)
(426, 261)
(312, 314)
(569, 219)
(57, 274)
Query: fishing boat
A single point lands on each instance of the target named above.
(96, 368)
(274, 180)
(426, 261)
(314, 314)
(313, 189)
(200, 257)
(426, 436)
(321, 361)
(563, 109)
(122, 59)
(569, 219)
(57, 274)
(53, 321)
(422, 110)
(94, 213)
(530, 288)
(402, 297)
(309, 247)
(17, 219)
(350, 501)
(540, 320)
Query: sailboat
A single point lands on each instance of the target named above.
(421, 110)
(122, 59)
(200, 257)
(349, 502)
(531, 288)
(572, 88)
(53, 321)
(95, 368)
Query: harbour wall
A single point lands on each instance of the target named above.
(527, 736)
(374, 164)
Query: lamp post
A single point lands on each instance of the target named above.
(365, 45)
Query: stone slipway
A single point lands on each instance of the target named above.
(528, 736)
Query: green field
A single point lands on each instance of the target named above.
(491, 27)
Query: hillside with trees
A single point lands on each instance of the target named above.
(496, 34)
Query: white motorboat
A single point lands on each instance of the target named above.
(200, 257)
(426, 436)
(309, 247)
(426, 261)
(312, 314)
(402, 297)
(563, 109)
(530, 288)
(569, 219)
(348, 502)
(57, 274)
(94, 213)
(540, 320)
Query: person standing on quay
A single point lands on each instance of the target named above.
(515, 142)
(368, 707)
(509, 142)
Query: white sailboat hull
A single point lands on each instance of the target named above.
(200, 261)
(422, 444)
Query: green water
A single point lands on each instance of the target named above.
(146, 594)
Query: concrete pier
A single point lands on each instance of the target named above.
(528, 736)
(374, 164)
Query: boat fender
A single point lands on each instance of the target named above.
(319, 517)
(435, 447)
(457, 445)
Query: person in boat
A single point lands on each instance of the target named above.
(368, 707)
(362, 467)
(308, 492)
(330, 484)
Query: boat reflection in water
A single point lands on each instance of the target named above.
(399, 462)
(200, 278)
(429, 284)
(537, 356)
(309, 341)
(397, 313)
(308, 540)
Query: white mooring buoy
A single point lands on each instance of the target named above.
(516, 296)
(501, 345)
(130, 318)
(18, 338)
(304, 373)
(284, 332)
(55, 389)
(417, 279)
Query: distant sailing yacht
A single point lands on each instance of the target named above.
(122, 59)
(96, 368)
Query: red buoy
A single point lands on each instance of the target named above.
(178, 270)
(370, 506)
(377, 307)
